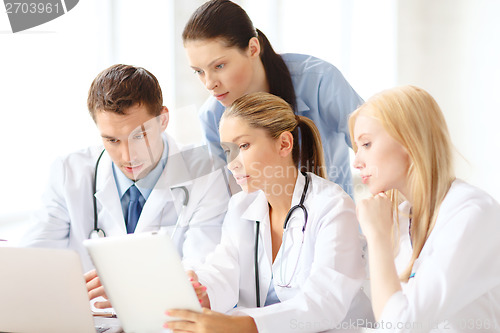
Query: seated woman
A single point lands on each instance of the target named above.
(446, 233)
(290, 258)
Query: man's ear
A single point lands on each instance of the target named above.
(254, 47)
(286, 143)
(164, 118)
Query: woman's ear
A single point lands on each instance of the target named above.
(254, 47)
(286, 143)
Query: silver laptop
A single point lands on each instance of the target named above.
(143, 277)
(43, 290)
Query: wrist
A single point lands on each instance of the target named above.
(246, 323)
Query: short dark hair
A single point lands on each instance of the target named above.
(228, 22)
(121, 86)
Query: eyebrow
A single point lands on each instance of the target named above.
(361, 136)
(210, 63)
(238, 137)
(144, 129)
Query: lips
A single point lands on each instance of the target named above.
(220, 97)
(241, 179)
(364, 179)
(133, 168)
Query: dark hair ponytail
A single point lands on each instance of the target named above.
(225, 20)
(277, 73)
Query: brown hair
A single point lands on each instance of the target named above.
(121, 86)
(226, 21)
(275, 116)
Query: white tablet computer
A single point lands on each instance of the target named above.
(143, 277)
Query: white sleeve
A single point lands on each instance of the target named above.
(463, 265)
(51, 225)
(204, 229)
(221, 272)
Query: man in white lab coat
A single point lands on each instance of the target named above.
(142, 182)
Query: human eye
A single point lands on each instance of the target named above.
(366, 145)
(198, 71)
(219, 66)
(112, 140)
(244, 146)
(140, 136)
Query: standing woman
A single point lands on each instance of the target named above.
(447, 239)
(279, 268)
(232, 59)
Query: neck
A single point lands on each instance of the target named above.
(261, 83)
(280, 194)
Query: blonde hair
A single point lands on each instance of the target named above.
(413, 118)
(275, 116)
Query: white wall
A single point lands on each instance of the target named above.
(452, 49)
(449, 47)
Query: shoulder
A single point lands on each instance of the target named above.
(197, 160)
(328, 195)
(210, 106)
(80, 158)
(306, 64)
(469, 204)
(241, 200)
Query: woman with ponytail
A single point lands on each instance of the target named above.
(443, 231)
(301, 278)
(232, 59)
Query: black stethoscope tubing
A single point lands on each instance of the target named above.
(98, 232)
(285, 225)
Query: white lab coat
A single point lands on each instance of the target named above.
(456, 286)
(330, 269)
(67, 217)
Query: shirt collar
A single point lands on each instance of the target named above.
(258, 209)
(146, 184)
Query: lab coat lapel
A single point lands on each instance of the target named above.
(258, 210)
(110, 214)
(174, 174)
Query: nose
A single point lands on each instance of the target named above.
(210, 81)
(358, 163)
(233, 163)
(128, 151)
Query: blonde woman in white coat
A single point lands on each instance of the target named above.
(446, 276)
(307, 276)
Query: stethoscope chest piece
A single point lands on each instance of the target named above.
(97, 233)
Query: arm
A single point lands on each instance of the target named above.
(209, 116)
(209, 321)
(375, 218)
(450, 261)
(205, 223)
(52, 222)
(337, 100)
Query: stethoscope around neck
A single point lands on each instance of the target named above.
(98, 232)
(301, 206)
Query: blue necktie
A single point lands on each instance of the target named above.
(134, 209)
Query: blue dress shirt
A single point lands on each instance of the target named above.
(324, 96)
(145, 185)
